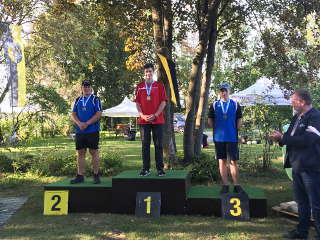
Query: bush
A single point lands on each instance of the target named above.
(22, 163)
(53, 163)
(46, 164)
(111, 163)
(203, 168)
(6, 163)
(252, 159)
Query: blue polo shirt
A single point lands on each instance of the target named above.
(86, 108)
(225, 128)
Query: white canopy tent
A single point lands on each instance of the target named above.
(125, 109)
(264, 91)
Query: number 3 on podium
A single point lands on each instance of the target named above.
(56, 202)
(236, 205)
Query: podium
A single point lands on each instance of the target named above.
(173, 188)
(118, 194)
(86, 197)
(204, 200)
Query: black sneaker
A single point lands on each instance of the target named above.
(294, 234)
(161, 173)
(77, 179)
(96, 179)
(238, 189)
(224, 189)
(144, 173)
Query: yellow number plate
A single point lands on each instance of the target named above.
(56, 202)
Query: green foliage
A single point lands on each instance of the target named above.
(48, 99)
(315, 93)
(253, 158)
(111, 163)
(22, 163)
(264, 119)
(88, 44)
(289, 47)
(44, 163)
(30, 125)
(203, 168)
(55, 163)
(6, 163)
(184, 64)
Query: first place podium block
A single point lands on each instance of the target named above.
(173, 187)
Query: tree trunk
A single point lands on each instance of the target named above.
(205, 87)
(4, 29)
(5, 90)
(162, 28)
(208, 10)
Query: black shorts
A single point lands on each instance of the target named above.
(87, 140)
(227, 150)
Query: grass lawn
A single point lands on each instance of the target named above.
(29, 223)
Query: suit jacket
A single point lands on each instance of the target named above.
(303, 148)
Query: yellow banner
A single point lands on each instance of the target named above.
(167, 69)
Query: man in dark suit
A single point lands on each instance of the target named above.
(302, 142)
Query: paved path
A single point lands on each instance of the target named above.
(8, 206)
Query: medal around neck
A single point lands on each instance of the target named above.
(84, 103)
(224, 111)
(148, 90)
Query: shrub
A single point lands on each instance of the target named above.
(203, 168)
(53, 164)
(111, 163)
(6, 163)
(22, 163)
(61, 165)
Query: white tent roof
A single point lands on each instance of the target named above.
(264, 91)
(125, 109)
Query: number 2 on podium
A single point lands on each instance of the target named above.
(236, 205)
(56, 202)
(148, 201)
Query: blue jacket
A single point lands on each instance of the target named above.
(86, 108)
(225, 129)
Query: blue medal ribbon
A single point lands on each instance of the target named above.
(84, 104)
(148, 89)
(224, 111)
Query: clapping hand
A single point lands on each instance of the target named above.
(275, 136)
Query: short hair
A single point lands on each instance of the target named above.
(148, 65)
(304, 95)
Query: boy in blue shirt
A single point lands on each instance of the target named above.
(225, 118)
(86, 115)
